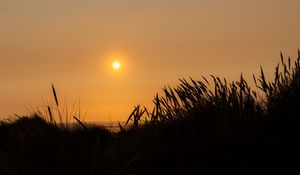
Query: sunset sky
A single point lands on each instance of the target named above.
(73, 44)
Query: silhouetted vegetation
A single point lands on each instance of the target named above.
(198, 127)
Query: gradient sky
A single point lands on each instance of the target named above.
(70, 43)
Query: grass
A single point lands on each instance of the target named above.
(193, 128)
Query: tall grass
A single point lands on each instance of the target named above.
(202, 126)
(61, 113)
(237, 98)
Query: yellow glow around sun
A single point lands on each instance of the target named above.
(116, 65)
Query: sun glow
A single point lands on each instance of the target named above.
(116, 65)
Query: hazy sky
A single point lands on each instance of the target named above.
(71, 43)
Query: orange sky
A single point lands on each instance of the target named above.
(71, 43)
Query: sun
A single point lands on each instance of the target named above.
(116, 65)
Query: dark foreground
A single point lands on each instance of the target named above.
(192, 130)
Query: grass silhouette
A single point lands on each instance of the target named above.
(192, 129)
